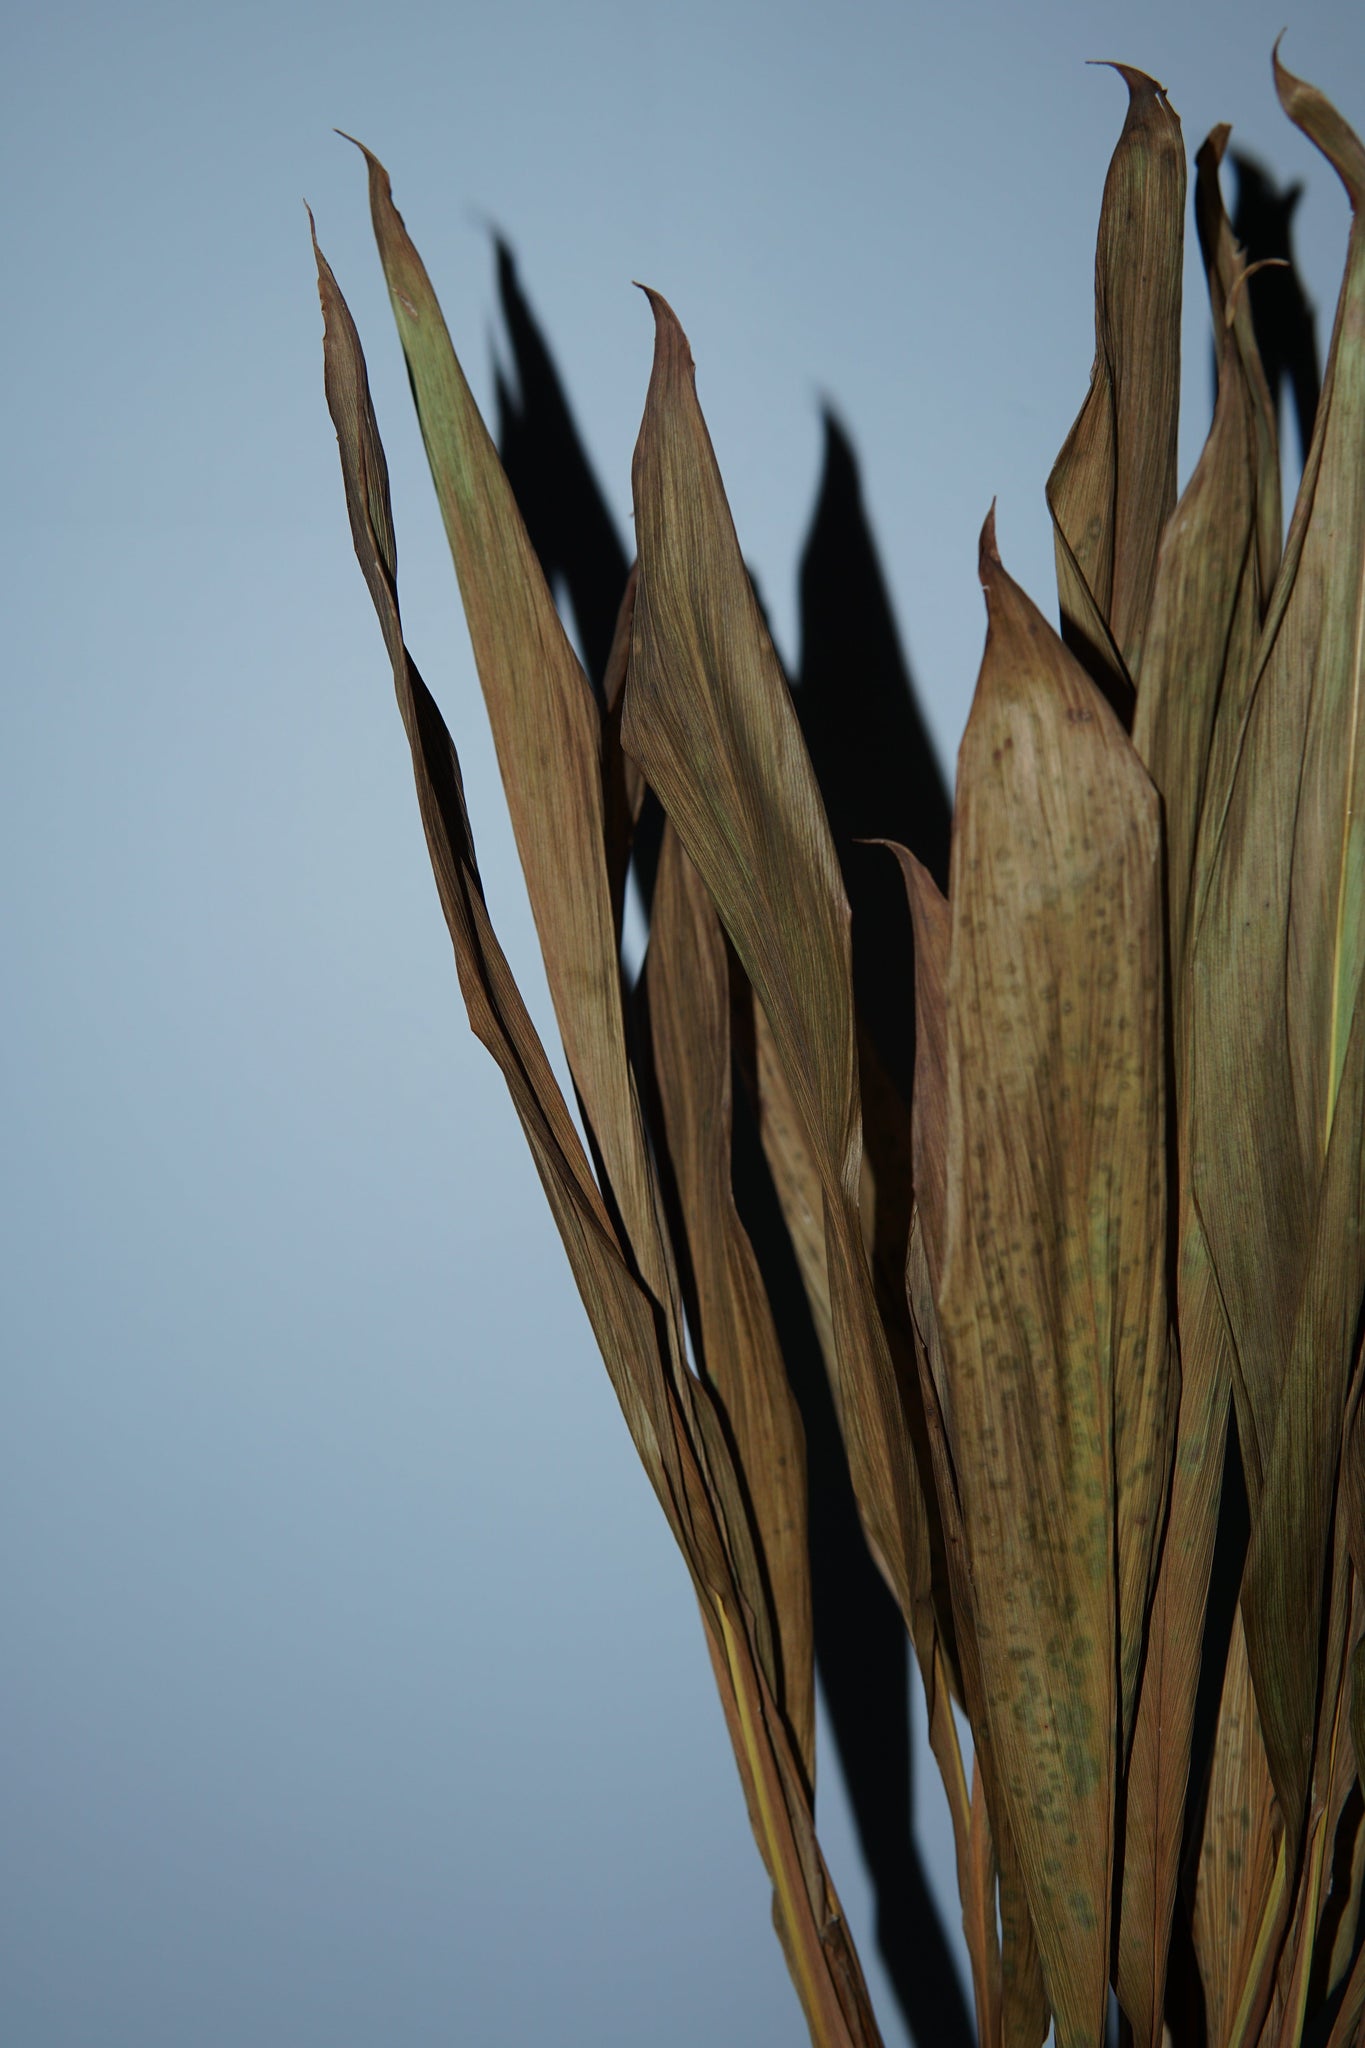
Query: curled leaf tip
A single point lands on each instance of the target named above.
(1287, 83)
(670, 342)
(1314, 115)
(1141, 85)
(378, 175)
(658, 304)
(988, 553)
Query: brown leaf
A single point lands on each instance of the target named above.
(1007, 1980)
(547, 730)
(623, 789)
(1113, 485)
(1208, 597)
(1052, 1302)
(929, 1108)
(670, 1415)
(795, 1182)
(709, 718)
(689, 1012)
(1158, 1775)
(1201, 639)
(1225, 273)
(1333, 1772)
(1279, 948)
(1239, 1904)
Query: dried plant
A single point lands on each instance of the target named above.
(1091, 1304)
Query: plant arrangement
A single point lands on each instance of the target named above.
(1090, 1299)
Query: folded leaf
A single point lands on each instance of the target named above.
(1208, 593)
(1112, 487)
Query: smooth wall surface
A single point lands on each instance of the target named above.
(352, 1692)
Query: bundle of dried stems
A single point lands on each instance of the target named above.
(1090, 1303)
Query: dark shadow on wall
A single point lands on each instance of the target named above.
(857, 706)
(566, 515)
(876, 765)
(1280, 313)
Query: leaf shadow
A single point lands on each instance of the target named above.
(1286, 333)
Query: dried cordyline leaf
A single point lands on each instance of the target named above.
(1277, 956)
(1113, 485)
(1136, 1146)
(669, 1413)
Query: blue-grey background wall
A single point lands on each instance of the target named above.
(351, 1690)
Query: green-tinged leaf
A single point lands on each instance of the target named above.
(1238, 1905)
(671, 1416)
(689, 1012)
(1052, 1300)
(709, 718)
(1112, 488)
(619, 1310)
(547, 730)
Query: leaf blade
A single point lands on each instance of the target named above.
(709, 718)
(1057, 1359)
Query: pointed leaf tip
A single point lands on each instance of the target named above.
(1315, 116)
(1140, 84)
(380, 181)
(669, 337)
(988, 553)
